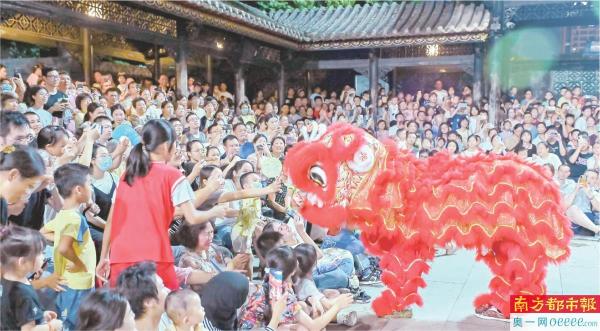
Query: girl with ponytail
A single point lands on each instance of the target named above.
(260, 306)
(147, 197)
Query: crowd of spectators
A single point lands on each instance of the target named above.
(84, 168)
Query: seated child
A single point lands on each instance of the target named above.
(20, 307)
(185, 310)
(306, 289)
(250, 214)
(258, 310)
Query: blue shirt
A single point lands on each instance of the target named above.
(246, 149)
(455, 121)
(44, 115)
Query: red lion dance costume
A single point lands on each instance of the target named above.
(506, 209)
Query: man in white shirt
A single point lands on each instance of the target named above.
(581, 122)
(440, 92)
(570, 191)
(544, 156)
(593, 163)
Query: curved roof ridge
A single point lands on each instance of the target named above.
(343, 26)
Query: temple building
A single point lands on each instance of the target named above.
(398, 45)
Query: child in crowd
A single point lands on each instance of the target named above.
(74, 252)
(306, 289)
(250, 215)
(259, 308)
(105, 310)
(147, 171)
(20, 307)
(213, 173)
(53, 146)
(185, 310)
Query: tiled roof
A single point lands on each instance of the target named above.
(385, 20)
(384, 24)
(237, 10)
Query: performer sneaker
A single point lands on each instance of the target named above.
(406, 313)
(440, 252)
(482, 308)
(492, 313)
(349, 318)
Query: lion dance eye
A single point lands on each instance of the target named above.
(363, 160)
(318, 176)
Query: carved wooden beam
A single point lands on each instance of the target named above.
(50, 10)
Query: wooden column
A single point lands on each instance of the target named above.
(395, 81)
(308, 83)
(495, 90)
(374, 80)
(156, 52)
(240, 84)
(209, 69)
(494, 64)
(181, 60)
(477, 73)
(87, 55)
(281, 92)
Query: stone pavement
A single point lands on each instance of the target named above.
(454, 281)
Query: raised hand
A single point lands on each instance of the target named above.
(276, 185)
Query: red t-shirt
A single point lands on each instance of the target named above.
(317, 113)
(141, 217)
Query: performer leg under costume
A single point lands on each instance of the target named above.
(505, 208)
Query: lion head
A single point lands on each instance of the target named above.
(336, 173)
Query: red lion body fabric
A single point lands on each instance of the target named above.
(505, 208)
